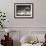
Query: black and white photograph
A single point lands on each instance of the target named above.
(23, 9)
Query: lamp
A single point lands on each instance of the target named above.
(7, 31)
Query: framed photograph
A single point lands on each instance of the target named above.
(23, 10)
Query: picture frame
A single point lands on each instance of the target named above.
(23, 10)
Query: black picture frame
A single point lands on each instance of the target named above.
(23, 10)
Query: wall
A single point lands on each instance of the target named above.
(38, 23)
(39, 14)
(39, 10)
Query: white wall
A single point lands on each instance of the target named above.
(38, 23)
(39, 10)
